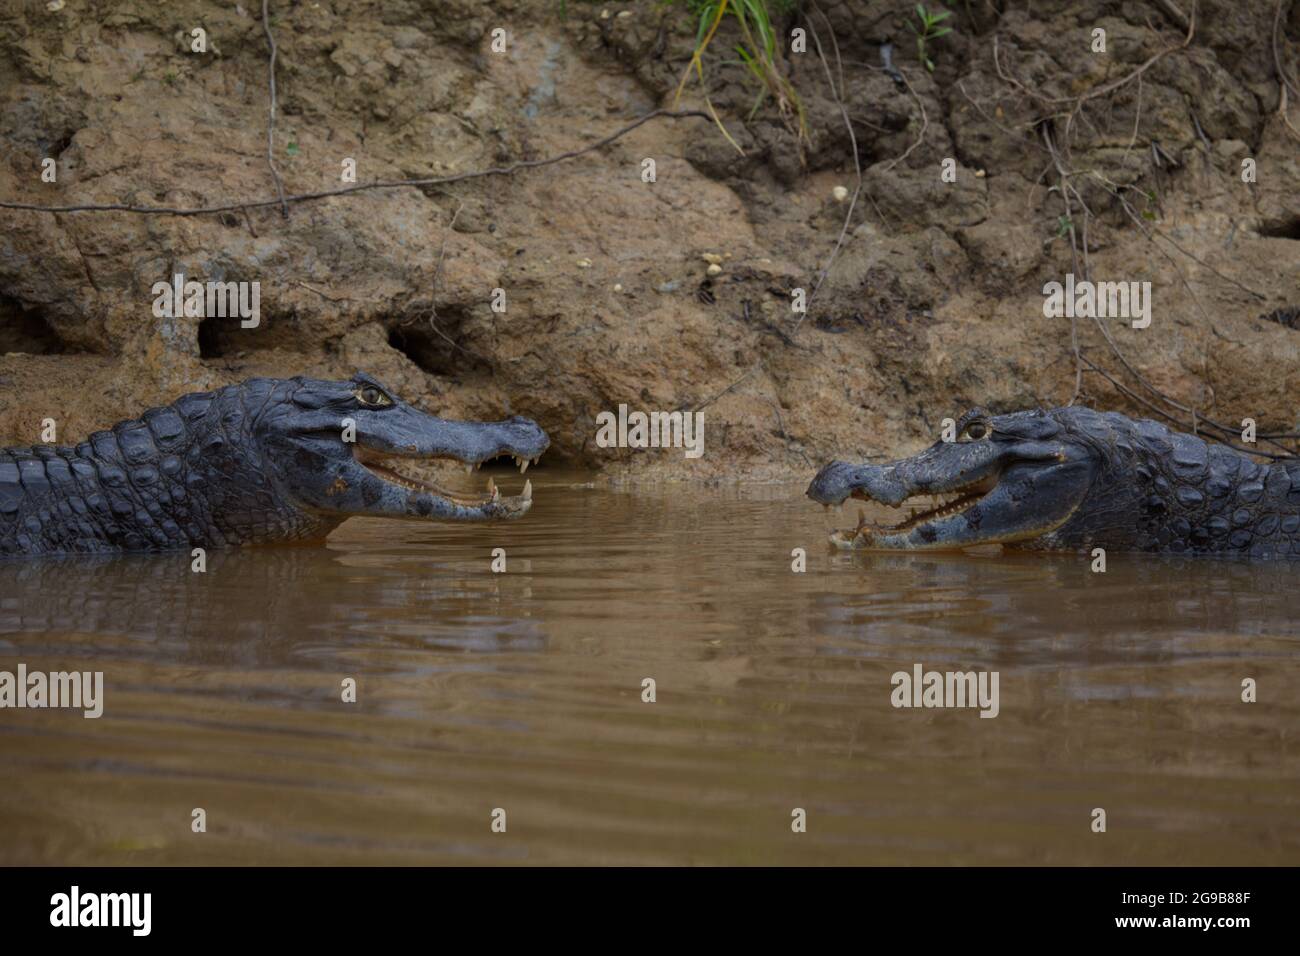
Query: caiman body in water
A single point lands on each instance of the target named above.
(1074, 479)
(263, 461)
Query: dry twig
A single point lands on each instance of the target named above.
(361, 187)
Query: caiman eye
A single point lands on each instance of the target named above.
(372, 397)
(975, 431)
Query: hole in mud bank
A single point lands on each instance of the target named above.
(224, 336)
(1288, 228)
(59, 145)
(1289, 317)
(27, 330)
(437, 348)
(213, 340)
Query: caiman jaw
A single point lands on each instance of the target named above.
(942, 505)
(382, 466)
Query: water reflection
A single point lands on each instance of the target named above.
(257, 607)
(523, 690)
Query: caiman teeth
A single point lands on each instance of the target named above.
(943, 505)
(381, 466)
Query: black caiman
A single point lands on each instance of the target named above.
(1073, 479)
(264, 461)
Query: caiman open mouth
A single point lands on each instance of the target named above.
(940, 505)
(384, 466)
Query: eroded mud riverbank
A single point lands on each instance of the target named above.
(1127, 165)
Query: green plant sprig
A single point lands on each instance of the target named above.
(929, 30)
(758, 51)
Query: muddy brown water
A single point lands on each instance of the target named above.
(523, 691)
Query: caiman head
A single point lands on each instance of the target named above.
(1005, 479)
(338, 448)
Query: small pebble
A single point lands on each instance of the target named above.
(840, 193)
(712, 257)
(618, 287)
(584, 263)
(714, 269)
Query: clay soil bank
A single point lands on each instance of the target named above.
(1123, 165)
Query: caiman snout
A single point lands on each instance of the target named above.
(840, 479)
(526, 433)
